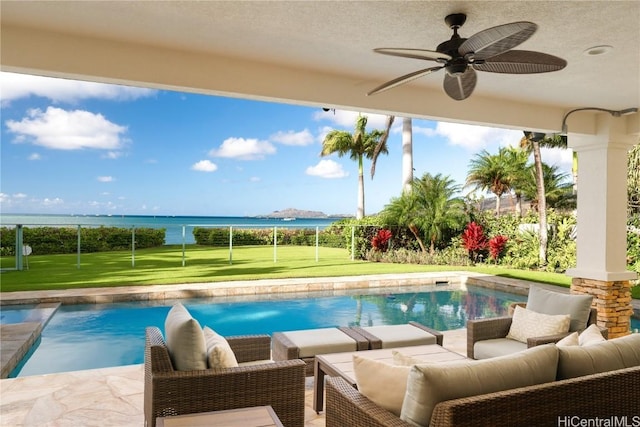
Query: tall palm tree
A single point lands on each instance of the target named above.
(633, 179)
(407, 151)
(532, 141)
(430, 209)
(519, 174)
(358, 145)
(557, 186)
(490, 172)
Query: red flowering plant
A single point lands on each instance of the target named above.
(474, 241)
(496, 246)
(380, 241)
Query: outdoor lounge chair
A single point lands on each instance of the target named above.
(170, 392)
(488, 337)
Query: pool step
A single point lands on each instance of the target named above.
(18, 338)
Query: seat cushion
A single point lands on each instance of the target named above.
(382, 383)
(401, 335)
(219, 353)
(548, 302)
(185, 340)
(605, 356)
(430, 384)
(497, 347)
(529, 324)
(321, 341)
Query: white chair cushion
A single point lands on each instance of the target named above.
(185, 340)
(569, 340)
(590, 336)
(321, 341)
(430, 384)
(496, 347)
(382, 383)
(219, 354)
(548, 302)
(401, 335)
(529, 324)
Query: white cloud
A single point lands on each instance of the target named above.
(51, 202)
(255, 179)
(562, 158)
(106, 179)
(476, 138)
(15, 86)
(59, 129)
(204, 166)
(34, 156)
(243, 149)
(347, 119)
(301, 138)
(19, 196)
(327, 169)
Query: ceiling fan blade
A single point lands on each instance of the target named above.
(496, 40)
(522, 62)
(461, 86)
(404, 79)
(430, 55)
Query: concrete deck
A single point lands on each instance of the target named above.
(114, 396)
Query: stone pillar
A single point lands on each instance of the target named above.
(601, 221)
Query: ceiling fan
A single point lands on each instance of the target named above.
(488, 50)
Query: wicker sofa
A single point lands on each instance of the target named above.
(171, 392)
(608, 393)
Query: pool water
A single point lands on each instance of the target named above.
(17, 314)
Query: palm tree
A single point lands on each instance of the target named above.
(407, 151)
(519, 174)
(429, 209)
(633, 179)
(358, 145)
(532, 142)
(490, 172)
(558, 189)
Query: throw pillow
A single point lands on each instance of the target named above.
(528, 324)
(547, 302)
(383, 384)
(400, 359)
(604, 356)
(430, 384)
(185, 340)
(219, 354)
(590, 336)
(569, 340)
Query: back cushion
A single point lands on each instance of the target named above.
(382, 383)
(529, 324)
(185, 340)
(219, 353)
(547, 302)
(605, 356)
(430, 384)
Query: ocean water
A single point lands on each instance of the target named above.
(174, 225)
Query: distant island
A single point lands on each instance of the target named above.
(298, 213)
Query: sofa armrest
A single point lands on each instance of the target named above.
(486, 329)
(347, 407)
(280, 384)
(534, 341)
(248, 348)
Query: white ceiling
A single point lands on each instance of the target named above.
(320, 52)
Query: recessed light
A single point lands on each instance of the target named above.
(598, 50)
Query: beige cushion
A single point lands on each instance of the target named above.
(430, 384)
(401, 359)
(496, 347)
(185, 340)
(219, 354)
(321, 341)
(401, 335)
(529, 324)
(382, 383)
(604, 356)
(590, 336)
(569, 340)
(548, 302)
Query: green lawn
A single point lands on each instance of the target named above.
(163, 265)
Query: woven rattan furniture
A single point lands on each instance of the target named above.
(608, 394)
(257, 416)
(498, 327)
(168, 392)
(393, 336)
(306, 344)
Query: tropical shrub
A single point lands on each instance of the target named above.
(380, 241)
(474, 241)
(497, 245)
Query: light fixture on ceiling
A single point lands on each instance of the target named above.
(614, 113)
(598, 50)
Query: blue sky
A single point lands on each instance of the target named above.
(71, 147)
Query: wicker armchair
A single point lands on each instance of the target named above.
(169, 392)
(498, 327)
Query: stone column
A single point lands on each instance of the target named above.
(601, 222)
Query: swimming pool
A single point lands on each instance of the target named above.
(91, 336)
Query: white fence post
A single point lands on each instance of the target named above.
(231, 244)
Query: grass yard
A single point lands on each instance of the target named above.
(206, 264)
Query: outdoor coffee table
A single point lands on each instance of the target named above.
(258, 416)
(341, 364)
